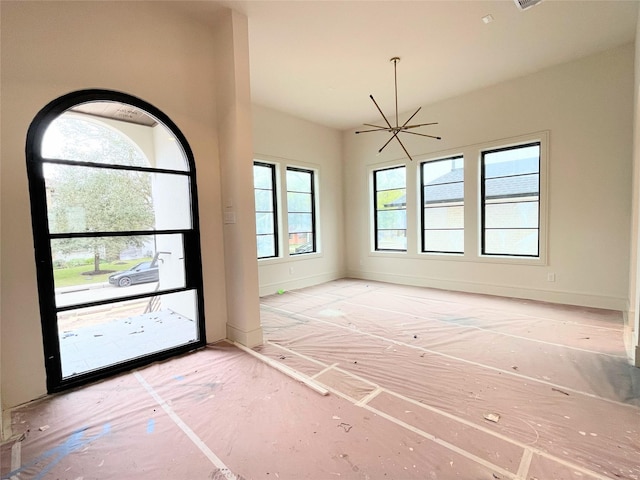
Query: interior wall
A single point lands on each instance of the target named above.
(632, 324)
(289, 141)
(586, 106)
(236, 163)
(141, 48)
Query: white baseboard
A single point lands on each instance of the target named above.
(248, 339)
(299, 282)
(552, 296)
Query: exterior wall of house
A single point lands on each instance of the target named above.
(145, 49)
(585, 107)
(289, 141)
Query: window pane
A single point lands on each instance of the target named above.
(265, 203)
(298, 181)
(266, 246)
(85, 199)
(392, 219)
(514, 215)
(392, 239)
(391, 199)
(262, 177)
(300, 222)
(447, 170)
(511, 201)
(301, 211)
(93, 138)
(301, 243)
(299, 202)
(443, 205)
(264, 223)
(390, 179)
(390, 204)
(96, 337)
(449, 192)
(444, 217)
(513, 161)
(264, 200)
(511, 242)
(90, 269)
(446, 241)
(510, 187)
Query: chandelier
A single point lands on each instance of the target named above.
(398, 129)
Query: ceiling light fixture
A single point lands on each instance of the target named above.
(487, 19)
(404, 128)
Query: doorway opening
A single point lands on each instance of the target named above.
(115, 224)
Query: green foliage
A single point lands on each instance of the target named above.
(86, 199)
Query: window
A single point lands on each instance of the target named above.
(390, 209)
(301, 213)
(442, 199)
(116, 236)
(510, 196)
(264, 181)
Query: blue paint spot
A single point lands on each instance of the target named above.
(54, 456)
(151, 425)
(179, 378)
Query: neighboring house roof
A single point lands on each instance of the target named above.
(517, 178)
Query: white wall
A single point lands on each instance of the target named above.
(586, 106)
(288, 141)
(52, 48)
(632, 324)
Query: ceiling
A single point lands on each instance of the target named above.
(320, 60)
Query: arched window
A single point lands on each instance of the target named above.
(117, 245)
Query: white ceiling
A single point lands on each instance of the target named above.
(320, 60)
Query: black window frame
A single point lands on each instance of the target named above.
(483, 228)
(314, 246)
(375, 208)
(274, 204)
(423, 205)
(42, 239)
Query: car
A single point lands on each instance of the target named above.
(144, 272)
(304, 248)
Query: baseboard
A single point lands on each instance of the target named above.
(299, 282)
(543, 295)
(248, 339)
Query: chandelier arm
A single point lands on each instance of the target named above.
(381, 129)
(405, 150)
(404, 125)
(422, 135)
(388, 142)
(378, 107)
(377, 126)
(419, 125)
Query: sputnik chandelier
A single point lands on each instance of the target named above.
(405, 127)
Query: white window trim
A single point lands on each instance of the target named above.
(282, 210)
(372, 210)
(541, 259)
(472, 203)
(278, 211)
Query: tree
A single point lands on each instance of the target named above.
(86, 199)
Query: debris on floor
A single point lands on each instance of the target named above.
(492, 417)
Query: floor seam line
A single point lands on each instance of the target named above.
(471, 327)
(213, 458)
(451, 357)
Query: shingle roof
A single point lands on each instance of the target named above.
(517, 178)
